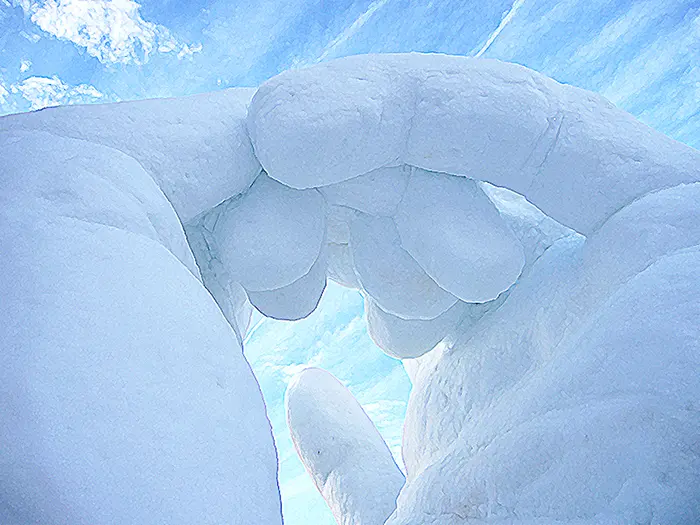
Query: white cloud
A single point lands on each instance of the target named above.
(43, 92)
(25, 65)
(33, 38)
(113, 31)
(4, 93)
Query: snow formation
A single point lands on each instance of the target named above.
(346, 457)
(529, 250)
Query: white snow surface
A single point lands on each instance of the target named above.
(272, 235)
(569, 151)
(343, 452)
(390, 275)
(456, 234)
(529, 249)
(125, 395)
(298, 299)
(196, 148)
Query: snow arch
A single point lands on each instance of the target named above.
(410, 177)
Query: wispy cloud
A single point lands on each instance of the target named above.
(618, 32)
(352, 29)
(43, 92)
(517, 4)
(112, 31)
(655, 61)
(4, 93)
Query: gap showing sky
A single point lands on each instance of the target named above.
(644, 55)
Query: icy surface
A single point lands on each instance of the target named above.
(341, 449)
(553, 349)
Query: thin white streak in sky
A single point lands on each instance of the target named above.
(517, 4)
(353, 28)
(253, 330)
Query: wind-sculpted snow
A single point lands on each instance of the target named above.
(342, 450)
(529, 250)
(271, 236)
(456, 234)
(569, 151)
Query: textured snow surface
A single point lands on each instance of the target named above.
(569, 151)
(342, 450)
(271, 236)
(530, 251)
(296, 300)
(390, 275)
(196, 148)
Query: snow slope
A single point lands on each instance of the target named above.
(530, 251)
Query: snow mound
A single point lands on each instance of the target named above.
(124, 388)
(341, 449)
(531, 250)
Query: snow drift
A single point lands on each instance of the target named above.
(531, 251)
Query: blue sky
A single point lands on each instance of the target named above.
(644, 55)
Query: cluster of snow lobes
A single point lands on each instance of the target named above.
(562, 384)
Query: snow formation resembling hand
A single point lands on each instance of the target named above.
(530, 251)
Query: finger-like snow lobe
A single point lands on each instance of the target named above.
(272, 235)
(342, 450)
(456, 234)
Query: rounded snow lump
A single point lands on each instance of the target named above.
(272, 236)
(454, 232)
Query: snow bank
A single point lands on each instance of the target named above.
(124, 388)
(341, 449)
